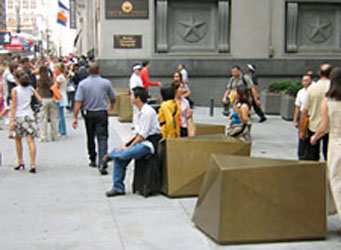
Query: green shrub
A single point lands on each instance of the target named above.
(293, 88)
(286, 87)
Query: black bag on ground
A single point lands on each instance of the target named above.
(147, 175)
(147, 172)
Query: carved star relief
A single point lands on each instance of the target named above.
(319, 30)
(195, 29)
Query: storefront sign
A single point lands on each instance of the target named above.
(132, 9)
(127, 41)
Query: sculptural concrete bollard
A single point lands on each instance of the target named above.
(245, 199)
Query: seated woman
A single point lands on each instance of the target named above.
(240, 123)
(186, 111)
(169, 114)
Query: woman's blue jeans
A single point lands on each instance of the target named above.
(121, 161)
(62, 124)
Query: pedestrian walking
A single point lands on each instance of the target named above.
(91, 98)
(312, 111)
(331, 118)
(23, 122)
(61, 82)
(145, 76)
(254, 93)
(135, 79)
(239, 79)
(301, 95)
(49, 108)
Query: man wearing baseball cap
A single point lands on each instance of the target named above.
(135, 79)
(250, 69)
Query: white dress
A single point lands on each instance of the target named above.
(334, 151)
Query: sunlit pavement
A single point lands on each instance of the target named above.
(63, 206)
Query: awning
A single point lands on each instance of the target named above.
(18, 45)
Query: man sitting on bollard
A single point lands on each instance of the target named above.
(143, 142)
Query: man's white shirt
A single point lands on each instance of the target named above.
(135, 81)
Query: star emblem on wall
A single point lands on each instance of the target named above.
(193, 29)
(319, 29)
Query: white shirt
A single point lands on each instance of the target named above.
(184, 75)
(24, 95)
(300, 98)
(135, 81)
(147, 124)
(184, 104)
(63, 83)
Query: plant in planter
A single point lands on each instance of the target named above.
(288, 100)
(271, 97)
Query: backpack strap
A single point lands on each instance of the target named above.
(174, 113)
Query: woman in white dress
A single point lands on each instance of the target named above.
(331, 118)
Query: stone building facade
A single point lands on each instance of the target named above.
(283, 38)
(2, 14)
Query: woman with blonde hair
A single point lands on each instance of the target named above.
(61, 82)
(23, 122)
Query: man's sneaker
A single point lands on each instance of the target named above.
(103, 171)
(93, 164)
(263, 119)
(113, 193)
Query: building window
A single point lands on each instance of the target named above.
(10, 21)
(26, 20)
(33, 20)
(33, 4)
(25, 4)
(10, 4)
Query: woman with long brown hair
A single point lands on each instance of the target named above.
(331, 118)
(240, 122)
(186, 111)
(49, 108)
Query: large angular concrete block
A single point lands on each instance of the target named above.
(116, 109)
(208, 129)
(245, 199)
(126, 108)
(184, 161)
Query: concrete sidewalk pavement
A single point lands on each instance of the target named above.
(63, 206)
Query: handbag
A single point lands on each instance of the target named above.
(57, 96)
(35, 104)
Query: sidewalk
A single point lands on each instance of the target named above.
(63, 206)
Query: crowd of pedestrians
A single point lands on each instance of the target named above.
(75, 85)
(33, 94)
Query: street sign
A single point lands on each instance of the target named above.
(5, 38)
